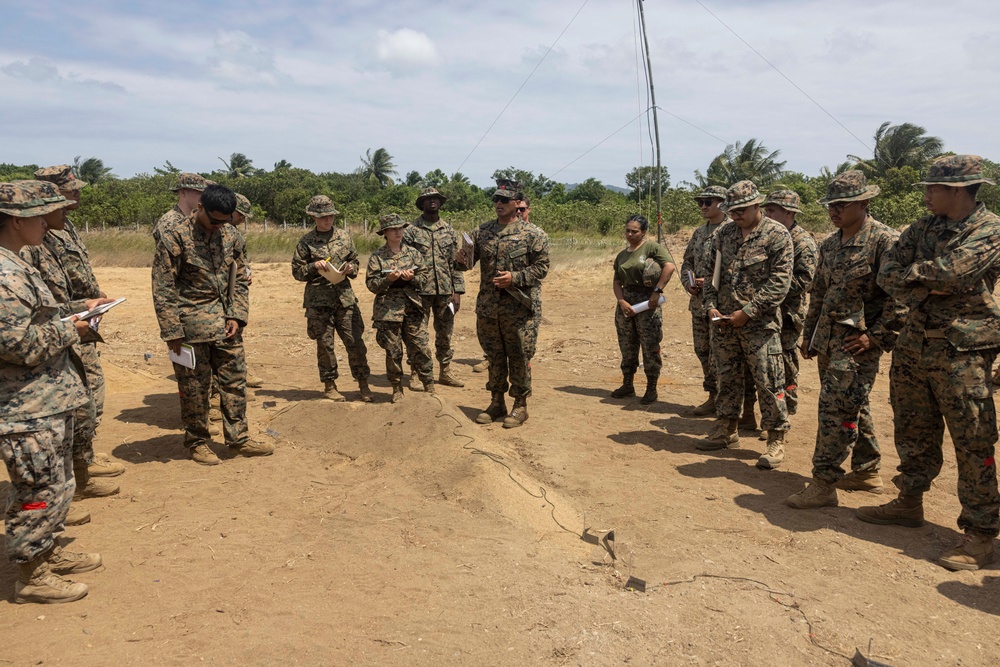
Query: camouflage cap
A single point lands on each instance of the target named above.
(741, 195)
(849, 186)
(712, 192)
(321, 206)
(508, 188)
(188, 181)
(786, 199)
(427, 194)
(243, 205)
(28, 199)
(957, 171)
(651, 272)
(62, 175)
(390, 221)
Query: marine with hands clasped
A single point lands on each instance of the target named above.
(944, 269)
(42, 382)
(331, 308)
(851, 322)
(513, 258)
(755, 271)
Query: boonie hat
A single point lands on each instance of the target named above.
(786, 199)
(29, 199)
(427, 194)
(188, 181)
(321, 206)
(390, 221)
(957, 171)
(243, 205)
(849, 186)
(62, 175)
(741, 195)
(712, 192)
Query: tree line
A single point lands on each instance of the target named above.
(280, 194)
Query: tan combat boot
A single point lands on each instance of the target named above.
(817, 494)
(974, 551)
(215, 414)
(366, 393)
(397, 392)
(627, 389)
(415, 384)
(330, 392)
(37, 583)
(482, 366)
(87, 487)
(518, 415)
(748, 422)
(254, 381)
(448, 378)
(775, 453)
(104, 467)
(67, 562)
(77, 516)
(251, 448)
(204, 455)
(429, 387)
(862, 480)
(706, 408)
(724, 434)
(902, 511)
(496, 409)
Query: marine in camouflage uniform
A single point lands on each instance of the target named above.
(640, 272)
(944, 268)
(851, 322)
(188, 188)
(755, 274)
(782, 205)
(331, 307)
(196, 262)
(513, 258)
(395, 278)
(443, 284)
(41, 383)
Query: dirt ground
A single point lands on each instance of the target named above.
(401, 535)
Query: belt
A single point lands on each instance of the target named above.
(935, 333)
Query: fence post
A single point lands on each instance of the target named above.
(104, 225)
(86, 226)
(265, 224)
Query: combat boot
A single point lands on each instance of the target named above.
(254, 381)
(330, 392)
(724, 434)
(817, 494)
(861, 480)
(67, 562)
(87, 487)
(518, 415)
(204, 455)
(214, 414)
(397, 392)
(214, 429)
(906, 510)
(76, 516)
(775, 453)
(496, 409)
(415, 384)
(706, 408)
(104, 467)
(429, 387)
(251, 448)
(482, 366)
(650, 396)
(627, 389)
(975, 551)
(448, 378)
(37, 583)
(748, 422)
(366, 393)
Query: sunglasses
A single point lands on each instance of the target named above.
(704, 202)
(218, 221)
(839, 206)
(522, 209)
(498, 198)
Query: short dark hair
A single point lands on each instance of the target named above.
(4, 217)
(218, 199)
(973, 189)
(643, 223)
(526, 200)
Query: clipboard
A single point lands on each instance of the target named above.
(335, 275)
(94, 312)
(717, 274)
(185, 358)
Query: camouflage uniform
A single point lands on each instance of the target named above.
(507, 320)
(437, 243)
(645, 330)
(331, 308)
(941, 365)
(185, 181)
(846, 301)
(755, 276)
(41, 383)
(399, 317)
(191, 274)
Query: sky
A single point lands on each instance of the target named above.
(319, 82)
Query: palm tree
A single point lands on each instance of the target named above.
(743, 162)
(378, 167)
(239, 166)
(904, 145)
(459, 177)
(282, 165)
(91, 170)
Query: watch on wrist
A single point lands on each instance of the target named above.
(658, 290)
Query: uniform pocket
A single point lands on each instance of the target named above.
(27, 462)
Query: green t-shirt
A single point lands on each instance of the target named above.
(630, 264)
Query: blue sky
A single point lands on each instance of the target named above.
(318, 83)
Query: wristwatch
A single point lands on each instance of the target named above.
(658, 290)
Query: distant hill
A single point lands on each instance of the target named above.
(613, 188)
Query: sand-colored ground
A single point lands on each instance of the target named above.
(399, 535)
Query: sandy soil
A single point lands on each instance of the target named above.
(398, 535)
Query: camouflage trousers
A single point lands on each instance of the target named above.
(845, 419)
(645, 332)
(323, 324)
(757, 351)
(411, 332)
(790, 358)
(509, 343)
(39, 460)
(749, 387)
(701, 333)
(88, 417)
(939, 385)
(444, 325)
(225, 361)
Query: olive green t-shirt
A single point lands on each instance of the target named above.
(630, 264)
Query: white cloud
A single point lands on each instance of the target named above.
(40, 70)
(237, 58)
(406, 49)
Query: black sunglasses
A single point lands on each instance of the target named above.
(501, 199)
(704, 202)
(522, 209)
(217, 221)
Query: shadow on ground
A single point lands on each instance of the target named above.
(160, 449)
(984, 598)
(160, 410)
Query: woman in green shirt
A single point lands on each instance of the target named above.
(641, 271)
